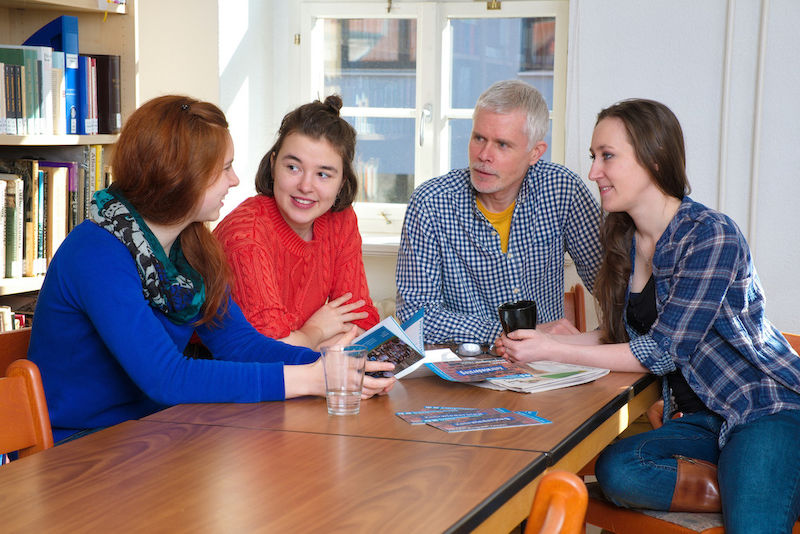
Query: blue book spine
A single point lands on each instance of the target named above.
(71, 92)
(84, 100)
(61, 34)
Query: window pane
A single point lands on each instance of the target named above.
(460, 131)
(489, 50)
(371, 62)
(384, 159)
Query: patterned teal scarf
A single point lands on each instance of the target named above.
(169, 284)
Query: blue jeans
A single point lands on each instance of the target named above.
(758, 468)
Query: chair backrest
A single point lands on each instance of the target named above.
(13, 346)
(575, 307)
(794, 340)
(24, 421)
(559, 506)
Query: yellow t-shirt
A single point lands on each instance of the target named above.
(500, 221)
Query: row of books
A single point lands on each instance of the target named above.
(49, 88)
(44, 200)
(10, 320)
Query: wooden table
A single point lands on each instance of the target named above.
(288, 466)
(576, 412)
(144, 476)
(585, 419)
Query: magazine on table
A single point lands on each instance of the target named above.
(478, 370)
(455, 419)
(495, 418)
(544, 376)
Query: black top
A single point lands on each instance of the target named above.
(641, 314)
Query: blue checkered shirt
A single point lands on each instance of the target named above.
(711, 322)
(450, 262)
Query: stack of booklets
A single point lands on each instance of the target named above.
(544, 376)
(455, 419)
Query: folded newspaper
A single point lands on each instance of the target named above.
(545, 376)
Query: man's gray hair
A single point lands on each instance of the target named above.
(511, 95)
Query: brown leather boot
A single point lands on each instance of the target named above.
(696, 489)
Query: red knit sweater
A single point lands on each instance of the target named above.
(281, 280)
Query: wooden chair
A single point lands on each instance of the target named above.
(24, 421)
(559, 505)
(575, 307)
(603, 514)
(13, 346)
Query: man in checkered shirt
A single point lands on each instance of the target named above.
(497, 231)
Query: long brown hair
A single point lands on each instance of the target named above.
(169, 152)
(317, 120)
(657, 140)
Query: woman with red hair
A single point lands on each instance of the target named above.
(128, 287)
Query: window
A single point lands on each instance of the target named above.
(409, 80)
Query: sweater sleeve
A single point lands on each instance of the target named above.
(235, 339)
(255, 282)
(349, 274)
(104, 297)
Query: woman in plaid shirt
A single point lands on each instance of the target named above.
(680, 297)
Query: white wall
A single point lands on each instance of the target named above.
(700, 58)
(256, 59)
(177, 47)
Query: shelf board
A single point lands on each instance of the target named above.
(64, 5)
(57, 140)
(11, 286)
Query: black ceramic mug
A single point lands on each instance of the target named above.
(517, 315)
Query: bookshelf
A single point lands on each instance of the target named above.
(101, 30)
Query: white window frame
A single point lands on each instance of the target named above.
(431, 159)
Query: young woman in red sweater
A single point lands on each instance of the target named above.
(294, 248)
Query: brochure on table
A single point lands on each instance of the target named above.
(456, 419)
(402, 345)
(478, 370)
(546, 375)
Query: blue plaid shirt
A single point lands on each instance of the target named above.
(711, 322)
(450, 262)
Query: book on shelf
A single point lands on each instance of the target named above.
(71, 205)
(61, 34)
(93, 175)
(37, 62)
(39, 239)
(3, 103)
(99, 168)
(13, 206)
(109, 107)
(3, 222)
(59, 89)
(6, 319)
(11, 88)
(57, 206)
(44, 88)
(25, 61)
(85, 96)
(28, 171)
